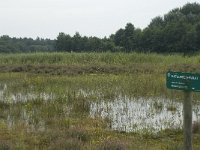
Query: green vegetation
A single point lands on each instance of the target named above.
(177, 31)
(97, 63)
(16, 45)
(107, 58)
(45, 99)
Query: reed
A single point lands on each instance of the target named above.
(107, 58)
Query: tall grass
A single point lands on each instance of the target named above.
(97, 63)
(94, 58)
(93, 87)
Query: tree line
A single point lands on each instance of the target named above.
(14, 45)
(178, 31)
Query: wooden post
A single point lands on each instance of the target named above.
(187, 118)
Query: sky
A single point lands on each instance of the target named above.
(46, 18)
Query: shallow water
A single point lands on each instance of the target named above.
(9, 97)
(141, 114)
(122, 113)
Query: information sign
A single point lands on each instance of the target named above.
(183, 81)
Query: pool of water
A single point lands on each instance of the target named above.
(139, 114)
(123, 113)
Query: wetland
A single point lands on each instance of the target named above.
(93, 101)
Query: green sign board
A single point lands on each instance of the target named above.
(183, 81)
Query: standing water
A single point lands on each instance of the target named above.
(139, 114)
(122, 113)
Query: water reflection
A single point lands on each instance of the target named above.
(122, 113)
(131, 114)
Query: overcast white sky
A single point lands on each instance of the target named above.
(46, 18)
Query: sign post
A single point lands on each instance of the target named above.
(187, 82)
(187, 120)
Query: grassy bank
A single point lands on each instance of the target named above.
(95, 58)
(90, 63)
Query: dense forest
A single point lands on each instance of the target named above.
(178, 31)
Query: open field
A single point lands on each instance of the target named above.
(93, 101)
